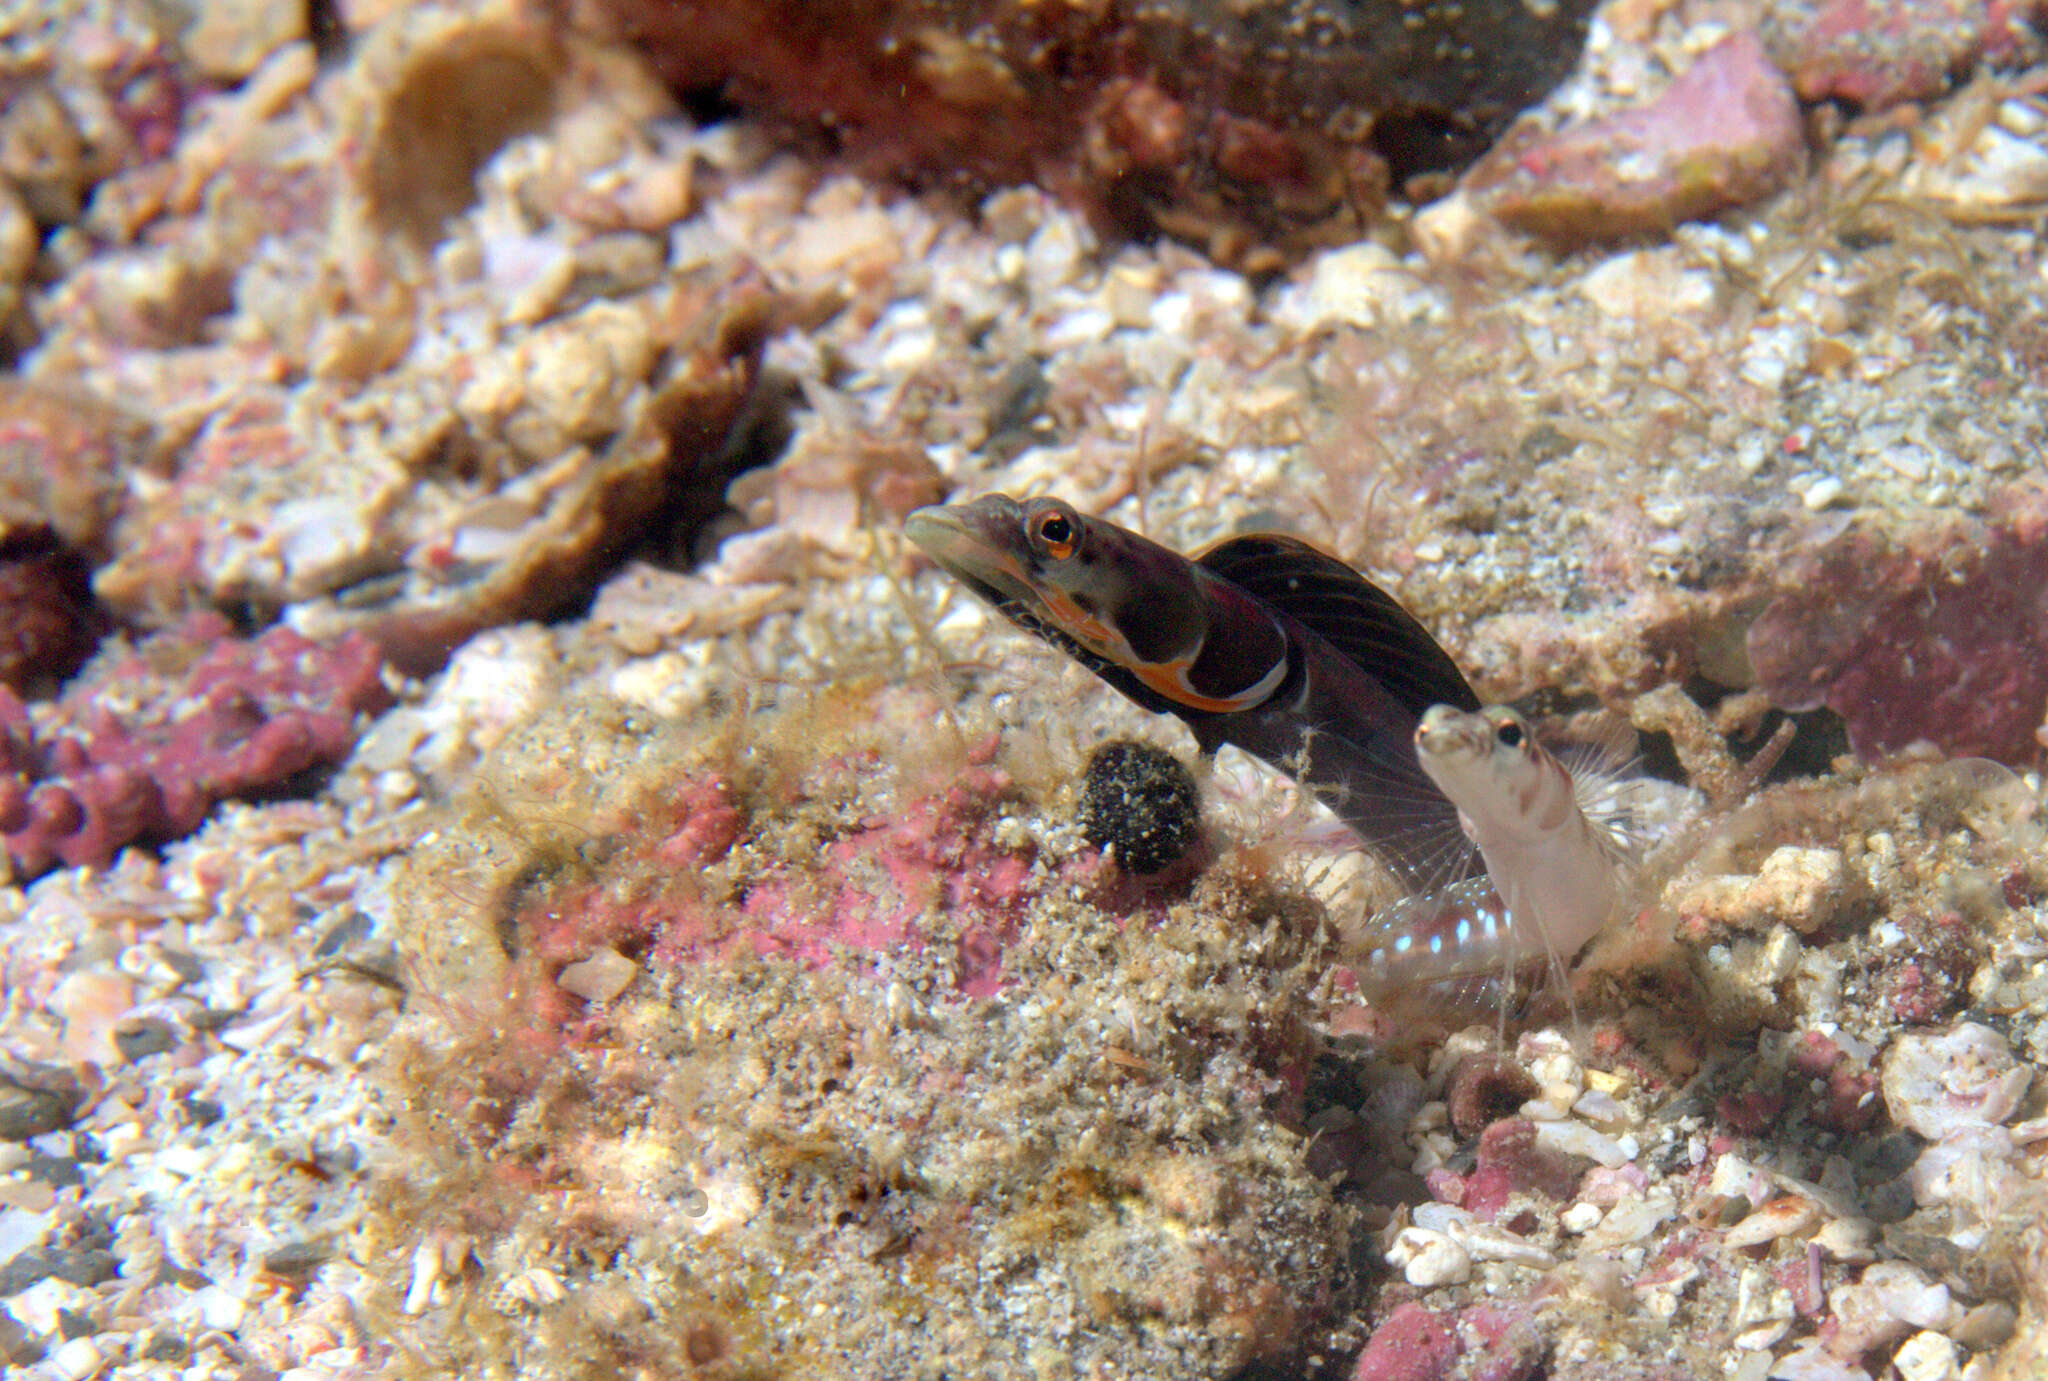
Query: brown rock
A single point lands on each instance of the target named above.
(1256, 129)
(65, 460)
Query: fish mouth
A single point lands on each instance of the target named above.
(1449, 734)
(970, 542)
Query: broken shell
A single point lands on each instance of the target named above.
(1429, 1259)
(1962, 1078)
(1788, 1215)
(433, 94)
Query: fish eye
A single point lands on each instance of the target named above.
(1057, 533)
(1508, 734)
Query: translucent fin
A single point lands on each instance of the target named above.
(1357, 617)
(1395, 809)
(1633, 814)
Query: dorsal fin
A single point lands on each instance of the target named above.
(1352, 614)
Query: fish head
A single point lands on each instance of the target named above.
(1071, 579)
(1487, 761)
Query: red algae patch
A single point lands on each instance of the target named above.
(886, 877)
(878, 884)
(1942, 638)
(143, 746)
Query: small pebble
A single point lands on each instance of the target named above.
(1851, 1240)
(1428, 1259)
(1810, 1361)
(1822, 492)
(27, 1111)
(1788, 1215)
(1580, 1218)
(76, 1360)
(1987, 1326)
(1577, 1139)
(142, 1039)
(1926, 1356)
(599, 978)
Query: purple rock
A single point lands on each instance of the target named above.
(218, 717)
(1942, 639)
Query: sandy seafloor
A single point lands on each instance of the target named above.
(713, 982)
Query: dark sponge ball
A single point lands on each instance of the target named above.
(1140, 801)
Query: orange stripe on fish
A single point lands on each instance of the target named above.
(1262, 642)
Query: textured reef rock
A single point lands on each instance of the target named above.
(143, 747)
(1725, 133)
(66, 458)
(72, 113)
(1941, 636)
(709, 869)
(739, 999)
(1233, 125)
(463, 376)
(1879, 53)
(764, 1007)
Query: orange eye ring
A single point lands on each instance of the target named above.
(1509, 733)
(1057, 533)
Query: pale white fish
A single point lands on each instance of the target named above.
(1560, 848)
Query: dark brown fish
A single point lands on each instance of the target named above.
(1262, 641)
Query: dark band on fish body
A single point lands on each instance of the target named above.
(1264, 642)
(1232, 662)
(1364, 622)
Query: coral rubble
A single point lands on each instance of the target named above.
(717, 979)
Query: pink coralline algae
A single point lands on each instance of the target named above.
(1485, 1342)
(1725, 133)
(1849, 1099)
(1510, 1161)
(1879, 53)
(145, 745)
(876, 885)
(1414, 1344)
(1943, 641)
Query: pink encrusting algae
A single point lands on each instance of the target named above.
(230, 717)
(880, 884)
(1940, 639)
